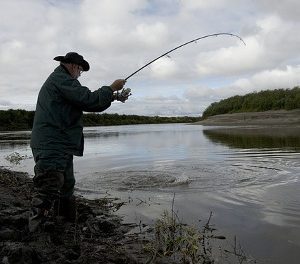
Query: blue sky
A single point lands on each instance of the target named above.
(119, 36)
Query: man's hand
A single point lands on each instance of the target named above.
(117, 85)
(123, 95)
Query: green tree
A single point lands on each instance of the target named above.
(287, 99)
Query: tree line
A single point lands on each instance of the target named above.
(278, 99)
(23, 120)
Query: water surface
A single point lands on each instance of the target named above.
(248, 178)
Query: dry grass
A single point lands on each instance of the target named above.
(183, 243)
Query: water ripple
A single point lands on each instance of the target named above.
(135, 180)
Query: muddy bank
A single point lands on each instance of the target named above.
(268, 118)
(98, 236)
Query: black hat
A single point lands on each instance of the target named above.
(73, 57)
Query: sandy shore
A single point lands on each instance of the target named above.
(268, 118)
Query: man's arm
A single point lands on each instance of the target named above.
(82, 97)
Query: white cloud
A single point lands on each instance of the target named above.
(192, 5)
(11, 51)
(164, 68)
(288, 77)
(289, 9)
(232, 60)
(160, 105)
(271, 79)
(118, 37)
(150, 34)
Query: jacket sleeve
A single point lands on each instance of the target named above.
(80, 96)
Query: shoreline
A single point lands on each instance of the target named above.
(97, 236)
(267, 118)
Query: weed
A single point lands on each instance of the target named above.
(15, 158)
(187, 244)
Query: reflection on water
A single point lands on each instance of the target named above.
(248, 177)
(271, 195)
(247, 138)
(14, 139)
(18, 135)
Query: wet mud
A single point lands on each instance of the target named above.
(97, 236)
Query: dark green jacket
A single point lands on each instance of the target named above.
(58, 118)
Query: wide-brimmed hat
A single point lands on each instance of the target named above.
(74, 57)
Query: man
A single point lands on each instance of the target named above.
(57, 134)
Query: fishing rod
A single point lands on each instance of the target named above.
(126, 92)
(191, 41)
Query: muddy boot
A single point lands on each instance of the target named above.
(38, 215)
(66, 207)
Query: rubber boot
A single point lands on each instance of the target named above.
(38, 215)
(66, 207)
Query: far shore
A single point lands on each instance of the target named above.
(268, 118)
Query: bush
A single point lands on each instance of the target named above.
(286, 99)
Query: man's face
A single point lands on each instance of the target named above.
(76, 71)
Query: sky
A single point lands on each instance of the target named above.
(117, 37)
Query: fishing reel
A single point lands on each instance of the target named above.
(123, 95)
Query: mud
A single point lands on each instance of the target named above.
(267, 118)
(97, 236)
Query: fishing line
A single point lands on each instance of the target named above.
(191, 41)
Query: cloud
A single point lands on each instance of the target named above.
(192, 5)
(263, 50)
(164, 68)
(150, 34)
(232, 60)
(5, 104)
(288, 77)
(159, 105)
(288, 10)
(118, 37)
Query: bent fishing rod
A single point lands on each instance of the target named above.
(180, 46)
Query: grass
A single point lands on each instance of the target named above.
(183, 243)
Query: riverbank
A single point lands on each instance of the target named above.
(268, 118)
(17, 120)
(97, 236)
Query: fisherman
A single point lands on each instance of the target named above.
(57, 135)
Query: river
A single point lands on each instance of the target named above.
(247, 177)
